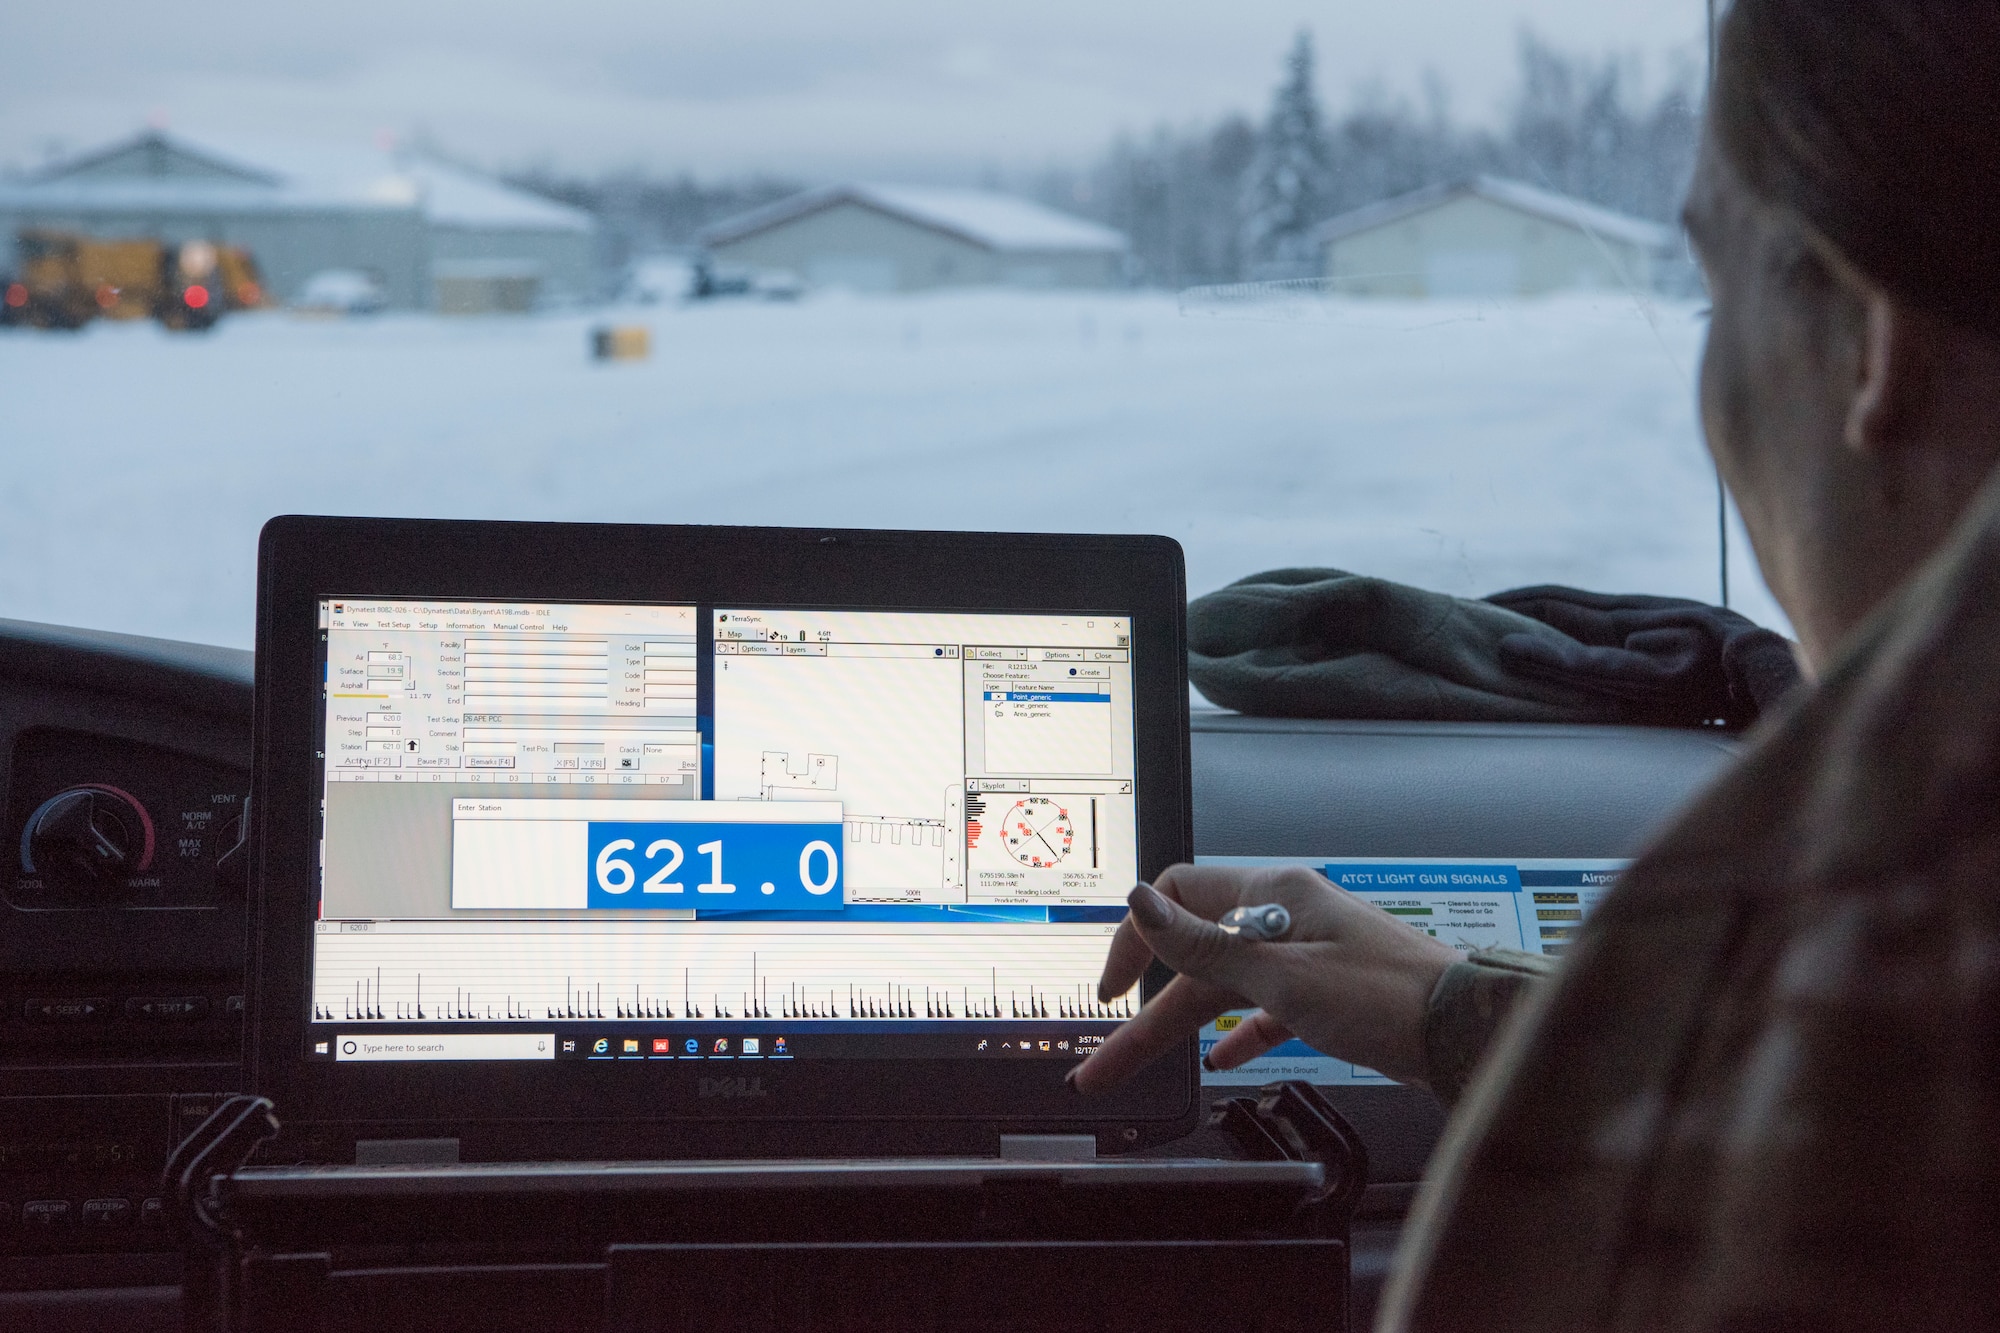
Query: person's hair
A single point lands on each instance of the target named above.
(1876, 122)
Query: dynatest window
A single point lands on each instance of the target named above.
(685, 832)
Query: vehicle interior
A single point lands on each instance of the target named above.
(125, 1021)
(1520, 432)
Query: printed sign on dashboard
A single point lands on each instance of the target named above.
(1536, 906)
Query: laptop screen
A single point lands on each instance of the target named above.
(718, 833)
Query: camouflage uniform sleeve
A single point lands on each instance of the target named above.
(1466, 1008)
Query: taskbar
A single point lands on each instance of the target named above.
(707, 1042)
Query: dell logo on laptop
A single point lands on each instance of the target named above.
(730, 1088)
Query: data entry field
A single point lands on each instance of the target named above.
(367, 1048)
(663, 855)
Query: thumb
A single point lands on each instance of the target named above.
(1188, 944)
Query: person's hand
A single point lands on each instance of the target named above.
(1349, 979)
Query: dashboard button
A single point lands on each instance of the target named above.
(153, 1213)
(88, 836)
(167, 1008)
(95, 1009)
(107, 1213)
(50, 1213)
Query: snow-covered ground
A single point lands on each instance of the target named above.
(1465, 448)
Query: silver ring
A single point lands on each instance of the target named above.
(1269, 922)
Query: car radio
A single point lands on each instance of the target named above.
(124, 769)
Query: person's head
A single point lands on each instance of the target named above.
(1846, 209)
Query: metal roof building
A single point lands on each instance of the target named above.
(423, 229)
(1489, 236)
(908, 237)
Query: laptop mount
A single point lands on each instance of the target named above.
(1029, 1243)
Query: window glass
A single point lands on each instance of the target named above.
(1395, 288)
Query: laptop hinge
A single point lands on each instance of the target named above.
(1048, 1147)
(405, 1152)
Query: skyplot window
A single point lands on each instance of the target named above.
(532, 817)
(975, 758)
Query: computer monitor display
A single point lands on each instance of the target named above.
(680, 832)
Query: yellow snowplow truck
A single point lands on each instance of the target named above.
(66, 280)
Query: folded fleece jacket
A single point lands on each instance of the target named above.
(1329, 644)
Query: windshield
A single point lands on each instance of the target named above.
(1397, 289)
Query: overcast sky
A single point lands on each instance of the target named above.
(804, 87)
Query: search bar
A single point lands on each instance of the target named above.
(380, 1047)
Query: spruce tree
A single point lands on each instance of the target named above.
(1289, 186)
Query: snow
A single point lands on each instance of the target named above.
(1462, 447)
(299, 175)
(1519, 195)
(997, 221)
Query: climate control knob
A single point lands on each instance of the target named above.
(87, 836)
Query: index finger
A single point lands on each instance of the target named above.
(1171, 1017)
(1206, 891)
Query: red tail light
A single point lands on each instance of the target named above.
(196, 297)
(17, 295)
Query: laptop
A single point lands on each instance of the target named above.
(589, 842)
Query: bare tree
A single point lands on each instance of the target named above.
(1230, 200)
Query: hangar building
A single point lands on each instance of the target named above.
(429, 233)
(886, 238)
(1489, 236)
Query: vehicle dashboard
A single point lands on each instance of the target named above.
(124, 763)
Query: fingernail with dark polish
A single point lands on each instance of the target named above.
(1069, 1080)
(1207, 1064)
(1148, 906)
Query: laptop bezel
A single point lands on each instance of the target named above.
(557, 1111)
